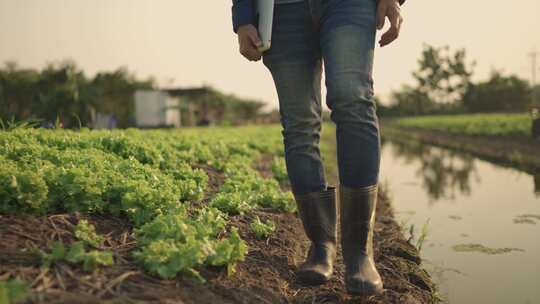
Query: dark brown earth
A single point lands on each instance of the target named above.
(266, 276)
(515, 151)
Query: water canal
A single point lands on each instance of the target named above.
(481, 221)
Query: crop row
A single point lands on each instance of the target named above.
(153, 178)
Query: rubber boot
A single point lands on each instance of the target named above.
(357, 220)
(318, 214)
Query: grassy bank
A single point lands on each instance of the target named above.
(501, 138)
(472, 124)
(192, 215)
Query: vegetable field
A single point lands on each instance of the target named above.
(167, 216)
(155, 179)
(473, 124)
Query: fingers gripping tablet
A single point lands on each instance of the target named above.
(265, 14)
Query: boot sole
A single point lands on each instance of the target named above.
(311, 278)
(364, 291)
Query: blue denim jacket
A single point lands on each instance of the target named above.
(243, 13)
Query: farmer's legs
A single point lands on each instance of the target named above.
(347, 43)
(295, 63)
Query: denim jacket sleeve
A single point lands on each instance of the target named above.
(242, 13)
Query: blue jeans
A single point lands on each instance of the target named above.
(340, 34)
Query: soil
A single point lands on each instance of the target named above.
(266, 276)
(514, 151)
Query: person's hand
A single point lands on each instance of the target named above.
(390, 9)
(249, 42)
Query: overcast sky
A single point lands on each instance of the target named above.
(189, 43)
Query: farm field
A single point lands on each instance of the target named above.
(472, 124)
(165, 216)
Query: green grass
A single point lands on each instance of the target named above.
(423, 235)
(472, 124)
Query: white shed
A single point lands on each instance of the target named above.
(156, 109)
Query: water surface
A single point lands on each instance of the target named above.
(483, 221)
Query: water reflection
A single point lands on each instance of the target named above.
(494, 211)
(443, 173)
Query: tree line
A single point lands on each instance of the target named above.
(443, 85)
(62, 93)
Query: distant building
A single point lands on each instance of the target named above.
(156, 109)
(194, 108)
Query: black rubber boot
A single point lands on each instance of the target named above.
(318, 214)
(357, 220)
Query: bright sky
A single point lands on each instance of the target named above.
(188, 43)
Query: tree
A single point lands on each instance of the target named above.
(47, 94)
(411, 101)
(246, 110)
(58, 95)
(443, 76)
(498, 94)
(16, 91)
(61, 90)
(113, 93)
(442, 79)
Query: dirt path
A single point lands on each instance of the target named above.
(267, 275)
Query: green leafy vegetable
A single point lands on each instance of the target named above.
(77, 254)
(13, 291)
(86, 232)
(279, 170)
(157, 179)
(89, 259)
(262, 229)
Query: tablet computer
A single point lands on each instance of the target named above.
(265, 14)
